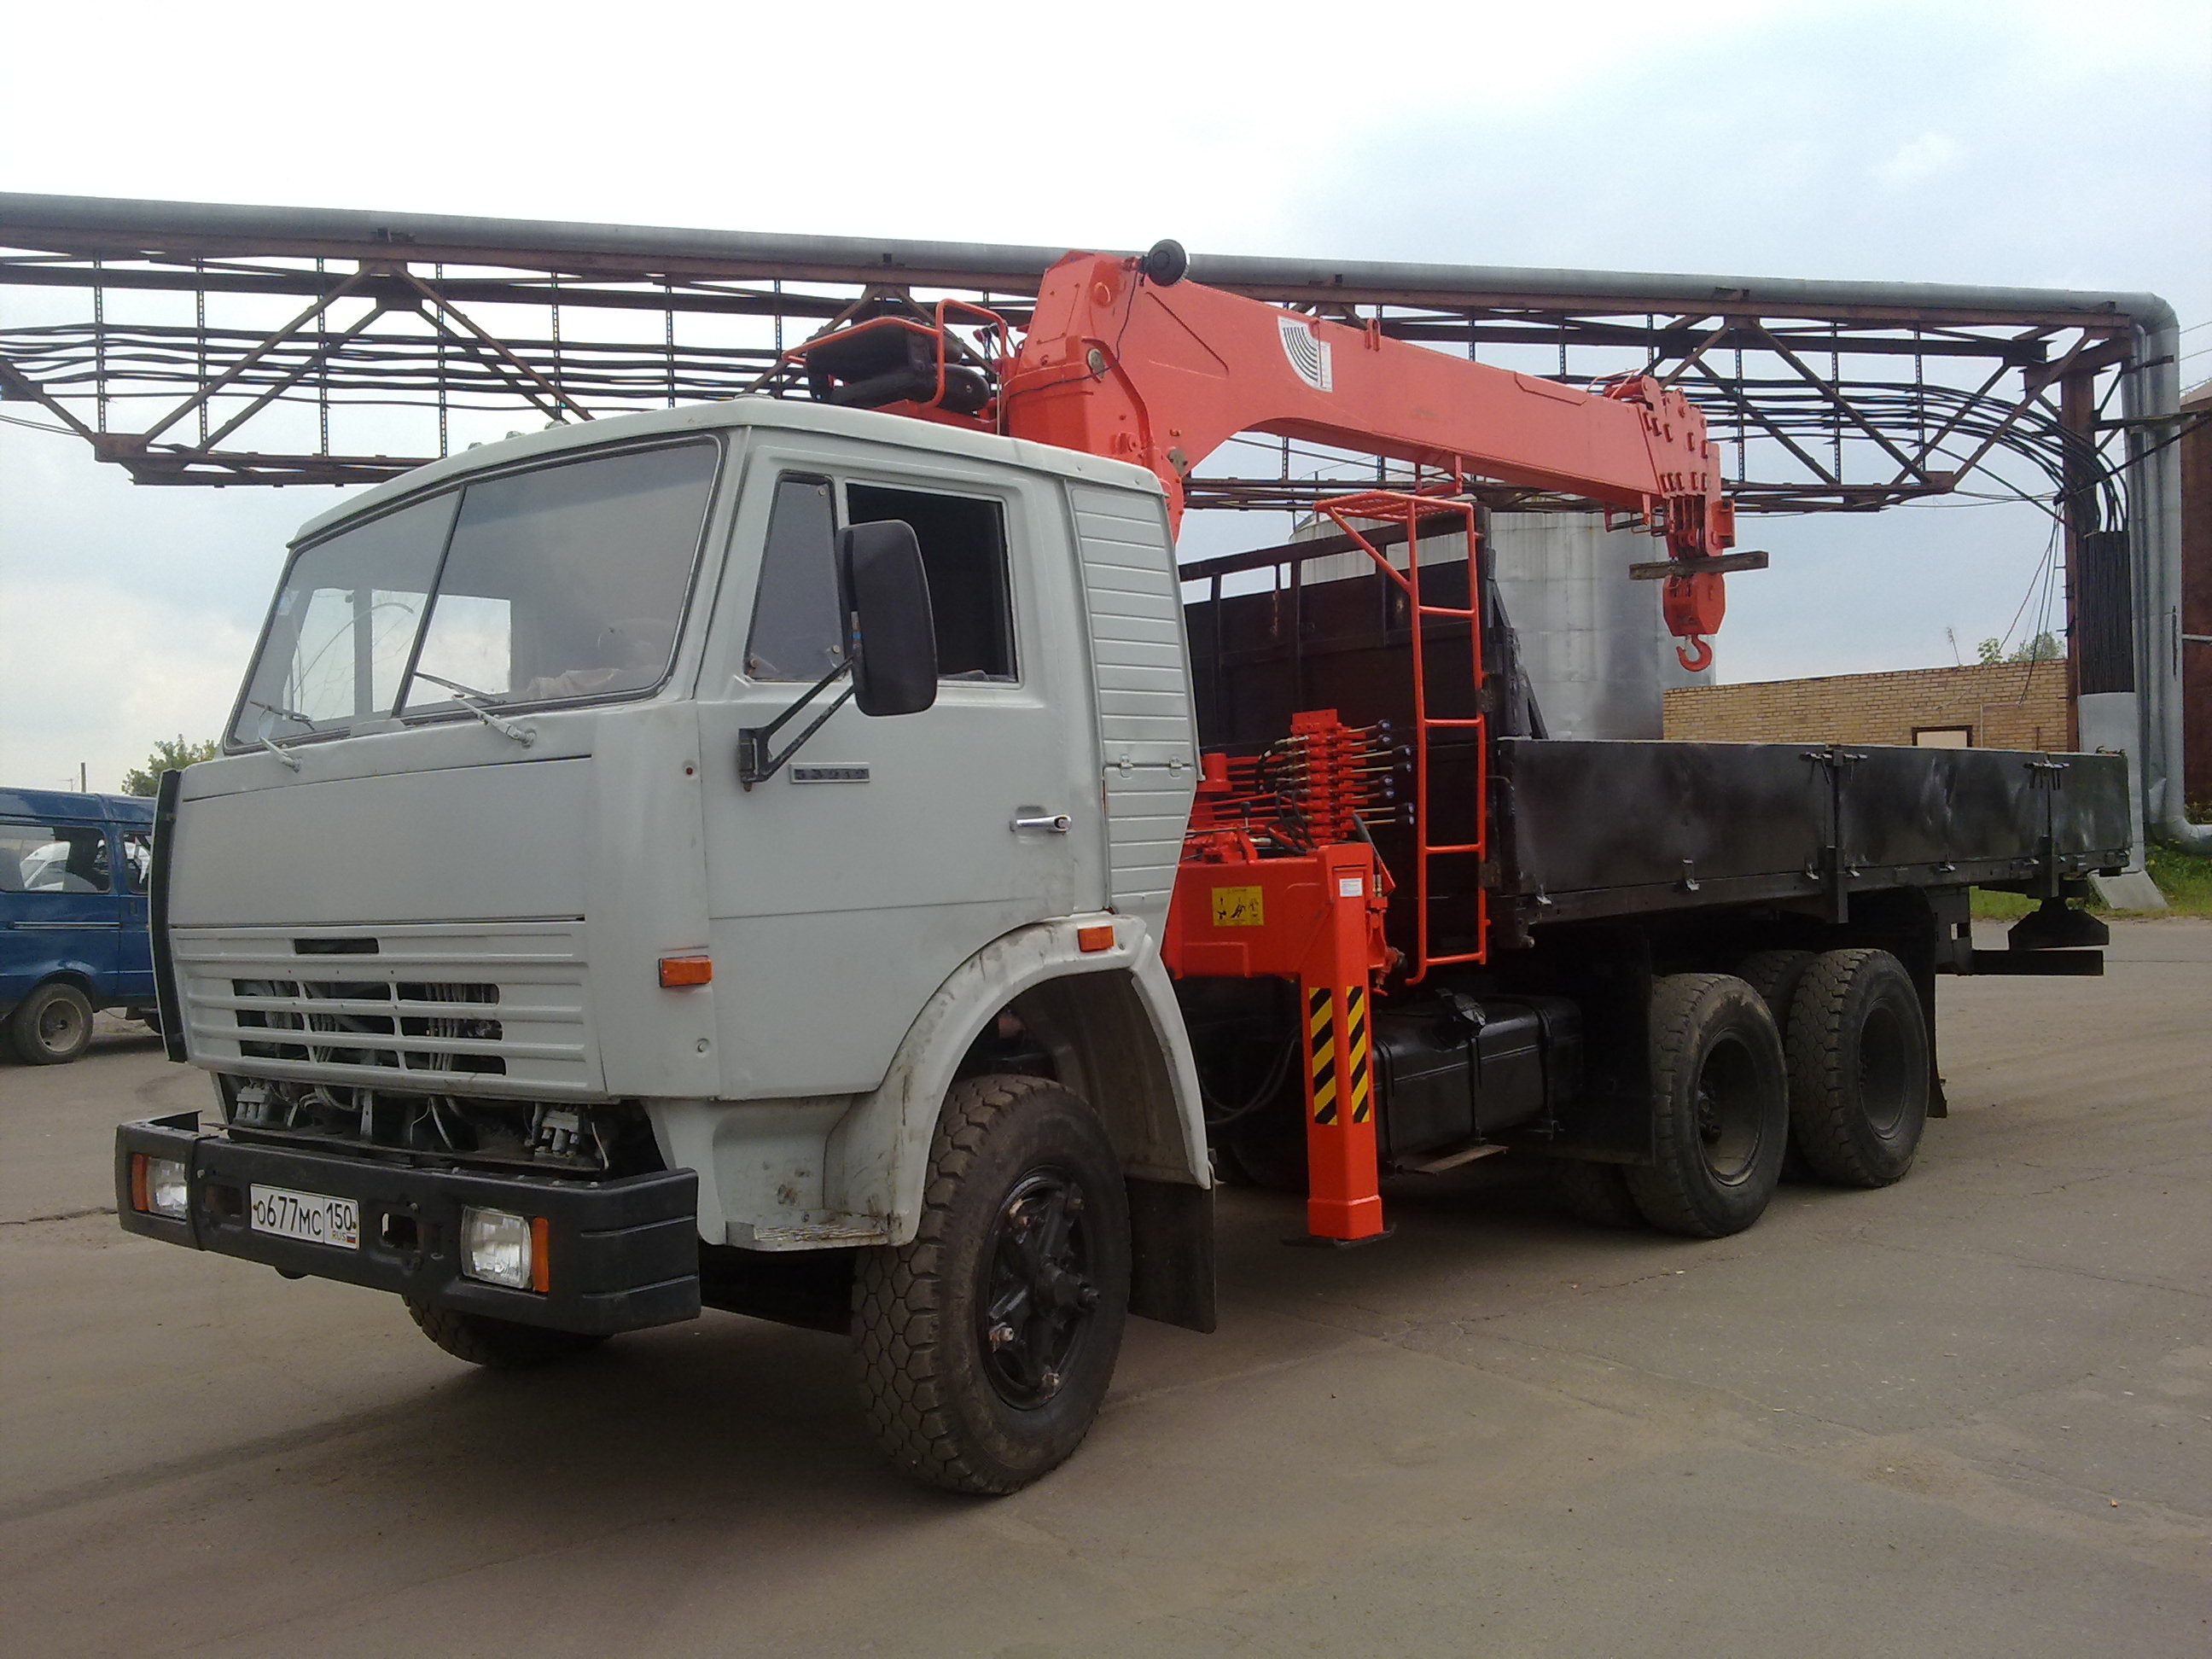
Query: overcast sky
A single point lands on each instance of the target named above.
(1969, 141)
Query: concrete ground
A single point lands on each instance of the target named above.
(1968, 1415)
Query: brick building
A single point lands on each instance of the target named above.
(2000, 705)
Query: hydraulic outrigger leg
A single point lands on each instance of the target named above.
(1311, 912)
(1343, 1199)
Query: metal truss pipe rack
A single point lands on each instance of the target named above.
(199, 343)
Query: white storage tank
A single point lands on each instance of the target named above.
(1593, 642)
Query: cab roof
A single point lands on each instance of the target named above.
(754, 410)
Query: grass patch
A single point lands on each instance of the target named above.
(2185, 878)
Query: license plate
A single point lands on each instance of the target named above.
(315, 1217)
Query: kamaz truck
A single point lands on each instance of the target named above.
(813, 855)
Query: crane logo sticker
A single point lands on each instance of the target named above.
(1239, 907)
(1308, 355)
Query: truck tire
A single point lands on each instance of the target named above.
(1598, 1193)
(498, 1344)
(1775, 975)
(986, 1344)
(1720, 1107)
(1858, 1068)
(52, 1025)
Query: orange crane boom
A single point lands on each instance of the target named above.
(1122, 358)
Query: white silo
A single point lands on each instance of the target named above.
(1593, 642)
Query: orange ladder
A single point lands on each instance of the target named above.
(1399, 508)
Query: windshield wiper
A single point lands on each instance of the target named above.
(281, 712)
(479, 704)
(268, 742)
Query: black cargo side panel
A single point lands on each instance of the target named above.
(1585, 814)
(1905, 806)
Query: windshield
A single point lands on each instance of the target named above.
(564, 582)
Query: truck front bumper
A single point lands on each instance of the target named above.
(622, 1254)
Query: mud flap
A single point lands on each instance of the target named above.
(1171, 1253)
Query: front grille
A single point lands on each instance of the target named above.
(484, 1009)
(416, 1017)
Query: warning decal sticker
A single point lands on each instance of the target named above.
(1239, 907)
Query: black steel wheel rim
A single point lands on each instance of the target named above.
(1729, 1118)
(1039, 1291)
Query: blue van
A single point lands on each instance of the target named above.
(73, 917)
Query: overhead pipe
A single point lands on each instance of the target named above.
(102, 225)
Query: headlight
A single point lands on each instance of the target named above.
(160, 1187)
(495, 1247)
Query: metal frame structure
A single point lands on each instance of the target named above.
(195, 343)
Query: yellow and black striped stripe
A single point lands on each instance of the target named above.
(1363, 1103)
(1321, 1041)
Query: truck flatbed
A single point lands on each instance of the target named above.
(1591, 828)
(1586, 829)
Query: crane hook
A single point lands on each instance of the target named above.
(1694, 653)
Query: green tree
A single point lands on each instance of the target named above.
(2043, 647)
(170, 755)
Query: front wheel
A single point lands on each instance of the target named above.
(987, 1344)
(1720, 1106)
(52, 1025)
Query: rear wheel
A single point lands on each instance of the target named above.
(1858, 1068)
(987, 1344)
(1775, 975)
(1721, 1112)
(499, 1344)
(52, 1025)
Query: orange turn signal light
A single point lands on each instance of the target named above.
(1095, 936)
(541, 1265)
(676, 972)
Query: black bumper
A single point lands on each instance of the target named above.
(624, 1253)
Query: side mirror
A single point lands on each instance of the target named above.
(891, 638)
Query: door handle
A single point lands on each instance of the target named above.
(1057, 822)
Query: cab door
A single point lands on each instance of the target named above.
(846, 887)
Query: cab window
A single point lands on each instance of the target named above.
(797, 631)
(796, 634)
(963, 552)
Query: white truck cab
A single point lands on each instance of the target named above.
(498, 881)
